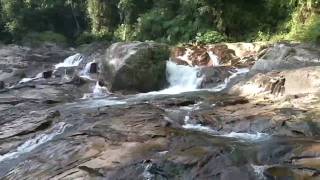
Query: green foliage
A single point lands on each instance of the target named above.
(85, 38)
(103, 16)
(174, 21)
(302, 26)
(88, 37)
(34, 39)
(210, 37)
(125, 32)
(61, 16)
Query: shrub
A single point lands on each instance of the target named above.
(35, 38)
(209, 37)
(125, 32)
(87, 37)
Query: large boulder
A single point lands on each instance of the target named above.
(303, 80)
(214, 76)
(135, 66)
(287, 56)
(285, 69)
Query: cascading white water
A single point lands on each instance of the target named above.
(180, 76)
(24, 80)
(36, 141)
(181, 79)
(85, 73)
(214, 59)
(97, 91)
(71, 61)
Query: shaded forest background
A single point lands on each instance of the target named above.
(171, 21)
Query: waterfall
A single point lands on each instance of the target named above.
(214, 59)
(85, 73)
(71, 61)
(181, 78)
(97, 92)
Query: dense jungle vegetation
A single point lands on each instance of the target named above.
(170, 21)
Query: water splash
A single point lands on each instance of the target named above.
(33, 143)
(71, 61)
(97, 92)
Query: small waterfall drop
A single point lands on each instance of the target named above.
(100, 90)
(214, 59)
(85, 73)
(97, 91)
(71, 61)
(181, 78)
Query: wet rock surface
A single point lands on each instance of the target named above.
(50, 130)
(227, 54)
(17, 62)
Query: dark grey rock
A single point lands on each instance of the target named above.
(136, 66)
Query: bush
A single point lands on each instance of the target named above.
(125, 32)
(87, 37)
(209, 37)
(34, 38)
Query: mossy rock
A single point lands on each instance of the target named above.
(135, 66)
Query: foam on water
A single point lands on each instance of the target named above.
(247, 136)
(71, 61)
(241, 136)
(33, 143)
(199, 127)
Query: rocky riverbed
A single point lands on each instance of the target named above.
(231, 111)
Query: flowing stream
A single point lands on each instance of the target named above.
(181, 79)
